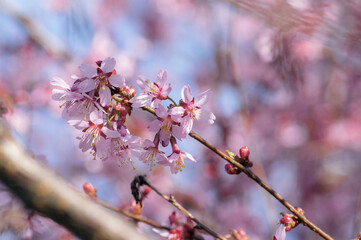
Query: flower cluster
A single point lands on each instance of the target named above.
(99, 102)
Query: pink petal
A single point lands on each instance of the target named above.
(179, 132)
(186, 94)
(162, 77)
(105, 96)
(108, 65)
(154, 125)
(141, 82)
(87, 85)
(117, 81)
(187, 124)
(189, 156)
(140, 100)
(161, 112)
(202, 98)
(280, 233)
(58, 82)
(88, 70)
(166, 89)
(110, 133)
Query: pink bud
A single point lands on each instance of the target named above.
(230, 169)
(244, 152)
(89, 189)
(288, 228)
(286, 219)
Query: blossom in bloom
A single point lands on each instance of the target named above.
(95, 132)
(152, 154)
(193, 108)
(101, 79)
(123, 149)
(152, 90)
(175, 161)
(280, 233)
(167, 123)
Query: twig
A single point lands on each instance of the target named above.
(174, 202)
(254, 177)
(131, 215)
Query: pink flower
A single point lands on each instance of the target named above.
(192, 108)
(94, 131)
(152, 90)
(167, 123)
(123, 149)
(152, 153)
(280, 233)
(175, 161)
(101, 79)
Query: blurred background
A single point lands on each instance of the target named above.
(285, 76)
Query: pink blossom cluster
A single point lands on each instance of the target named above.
(99, 102)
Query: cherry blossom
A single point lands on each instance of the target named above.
(175, 161)
(152, 154)
(102, 79)
(152, 90)
(192, 108)
(167, 123)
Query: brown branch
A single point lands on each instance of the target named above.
(259, 181)
(51, 196)
(174, 202)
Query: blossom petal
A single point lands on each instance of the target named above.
(162, 77)
(58, 82)
(105, 96)
(202, 98)
(280, 233)
(88, 70)
(108, 65)
(186, 94)
(140, 100)
(160, 111)
(117, 81)
(87, 85)
(154, 125)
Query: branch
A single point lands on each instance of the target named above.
(174, 202)
(259, 181)
(51, 196)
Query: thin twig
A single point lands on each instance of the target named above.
(135, 217)
(254, 177)
(174, 202)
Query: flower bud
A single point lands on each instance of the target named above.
(244, 152)
(89, 189)
(230, 169)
